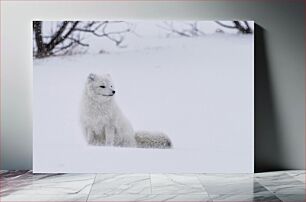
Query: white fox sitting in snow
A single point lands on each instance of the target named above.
(104, 123)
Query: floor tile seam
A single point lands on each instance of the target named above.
(91, 187)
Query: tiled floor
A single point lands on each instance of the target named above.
(273, 186)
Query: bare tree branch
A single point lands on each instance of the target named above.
(224, 25)
(100, 31)
(78, 41)
(248, 26)
(67, 36)
(57, 35)
(191, 31)
(41, 46)
(237, 25)
(63, 48)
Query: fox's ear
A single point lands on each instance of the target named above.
(91, 77)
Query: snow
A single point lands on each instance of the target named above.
(198, 90)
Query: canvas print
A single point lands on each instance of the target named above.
(143, 96)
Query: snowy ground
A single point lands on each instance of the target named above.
(197, 90)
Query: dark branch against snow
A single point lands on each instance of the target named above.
(67, 36)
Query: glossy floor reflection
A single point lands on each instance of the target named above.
(283, 186)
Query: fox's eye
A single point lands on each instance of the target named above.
(111, 86)
(102, 86)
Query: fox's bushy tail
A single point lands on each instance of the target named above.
(159, 140)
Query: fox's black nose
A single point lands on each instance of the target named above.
(114, 92)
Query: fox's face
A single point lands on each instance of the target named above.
(101, 86)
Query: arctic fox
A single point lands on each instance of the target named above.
(103, 122)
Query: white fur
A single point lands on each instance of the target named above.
(103, 122)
